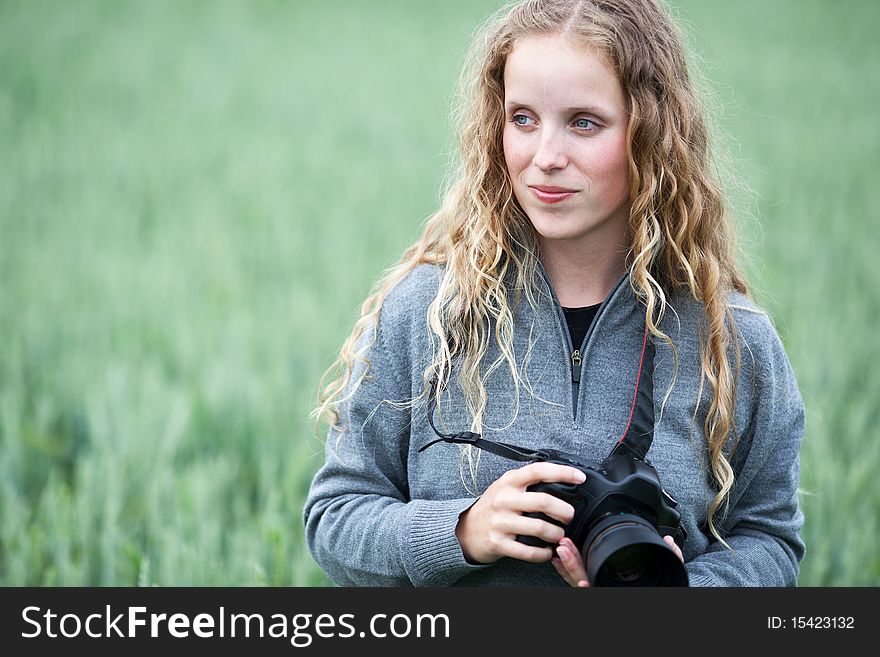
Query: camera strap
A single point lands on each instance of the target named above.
(639, 432)
(636, 439)
(504, 450)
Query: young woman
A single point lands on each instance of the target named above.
(584, 220)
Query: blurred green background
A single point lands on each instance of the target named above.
(196, 196)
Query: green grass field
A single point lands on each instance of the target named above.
(196, 196)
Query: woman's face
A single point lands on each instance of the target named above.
(565, 141)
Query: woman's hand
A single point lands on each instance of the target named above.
(487, 531)
(570, 566)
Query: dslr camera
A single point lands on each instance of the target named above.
(621, 511)
(621, 514)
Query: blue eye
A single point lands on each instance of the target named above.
(585, 124)
(521, 119)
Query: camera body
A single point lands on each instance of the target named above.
(621, 515)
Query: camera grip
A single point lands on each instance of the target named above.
(562, 491)
(534, 541)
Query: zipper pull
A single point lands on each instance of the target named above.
(576, 366)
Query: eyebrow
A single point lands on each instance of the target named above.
(587, 109)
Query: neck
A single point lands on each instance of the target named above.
(581, 276)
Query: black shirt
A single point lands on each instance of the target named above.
(579, 321)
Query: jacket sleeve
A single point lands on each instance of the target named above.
(764, 520)
(362, 527)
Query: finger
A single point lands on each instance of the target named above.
(525, 526)
(672, 544)
(549, 472)
(531, 502)
(570, 564)
(572, 560)
(563, 571)
(516, 550)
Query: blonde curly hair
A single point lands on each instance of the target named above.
(681, 236)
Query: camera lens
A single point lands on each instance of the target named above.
(626, 550)
(629, 563)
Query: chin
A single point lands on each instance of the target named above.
(556, 235)
(551, 228)
(577, 224)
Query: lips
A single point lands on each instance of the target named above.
(551, 194)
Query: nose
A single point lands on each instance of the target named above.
(551, 151)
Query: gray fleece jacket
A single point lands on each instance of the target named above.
(379, 513)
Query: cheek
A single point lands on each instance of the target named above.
(609, 164)
(516, 155)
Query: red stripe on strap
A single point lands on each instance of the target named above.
(632, 411)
